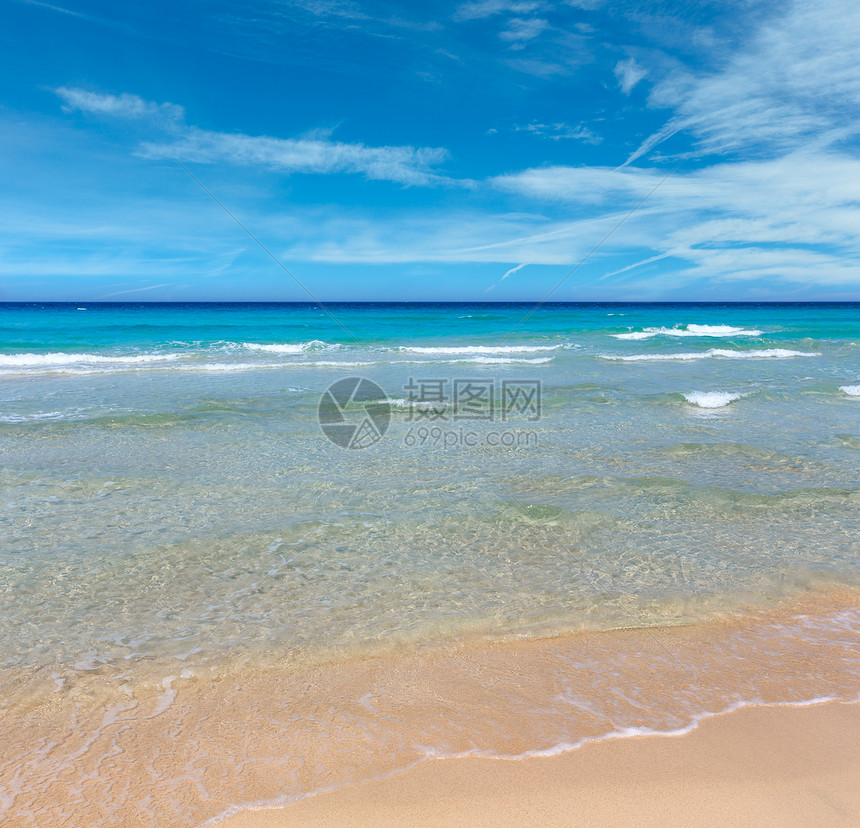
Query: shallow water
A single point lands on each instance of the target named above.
(171, 507)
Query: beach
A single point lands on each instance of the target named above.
(757, 766)
(196, 748)
(429, 414)
(256, 558)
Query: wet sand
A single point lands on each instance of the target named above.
(786, 766)
(202, 743)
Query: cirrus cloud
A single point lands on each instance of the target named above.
(315, 153)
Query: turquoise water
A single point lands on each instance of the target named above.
(196, 581)
(168, 494)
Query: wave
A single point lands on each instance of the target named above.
(186, 366)
(287, 348)
(320, 363)
(254, 366)
(453, 350)
(41, 416)
(125, 366)
(48, 360)
(711, 399)
(769, 353)
(851, 390)
(197, 356)
(689, 330)
(399, 402)
(487, 360)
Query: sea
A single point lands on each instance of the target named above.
(249, 552)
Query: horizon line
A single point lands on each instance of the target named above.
(537, 302)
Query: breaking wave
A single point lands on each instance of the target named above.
(769, 353)
(689, 330)
(711, 399)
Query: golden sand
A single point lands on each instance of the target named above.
(759, 766)
(193, 745)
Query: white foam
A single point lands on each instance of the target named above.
(453, 350)
(40, 360)
(689, 330)
(288, 348)
(253, 366)
(711, 399)
(422, 404)
(851, 390)
(769, 353)
(487, 360)
(275, 349)
(39, 416)
(430, 752)
(214, 367)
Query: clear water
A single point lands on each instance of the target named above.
(169, 503)
(166, 488)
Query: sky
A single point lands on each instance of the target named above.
(489, 150)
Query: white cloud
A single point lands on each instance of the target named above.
(521, 30)
(487, 8)
(438, 236)
(628, 73)
(792, 219)
(789, 223)
(406, 165)
(561, 131)
(119, 106)
(513, 270)
(136, 290)
(585, 185)
(313, 152)
(797, 81)
(53, 8)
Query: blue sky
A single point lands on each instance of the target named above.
(467, 151)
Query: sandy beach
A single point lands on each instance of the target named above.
(311, 738)
(782, 766)
(429, 414)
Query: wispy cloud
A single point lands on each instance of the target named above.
(312, 153)
(796, 81)
(119, 106)
(628, 73)
(513, 270)
(405, 165)
(488, 8)
(52, 7)
(788, 222)
(136, 290)
(584, 185)
(520, 30)
(562, 131)
(790, 219)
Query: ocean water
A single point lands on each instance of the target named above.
(174, 516)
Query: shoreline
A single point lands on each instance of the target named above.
(195, 747)
(785, 764)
